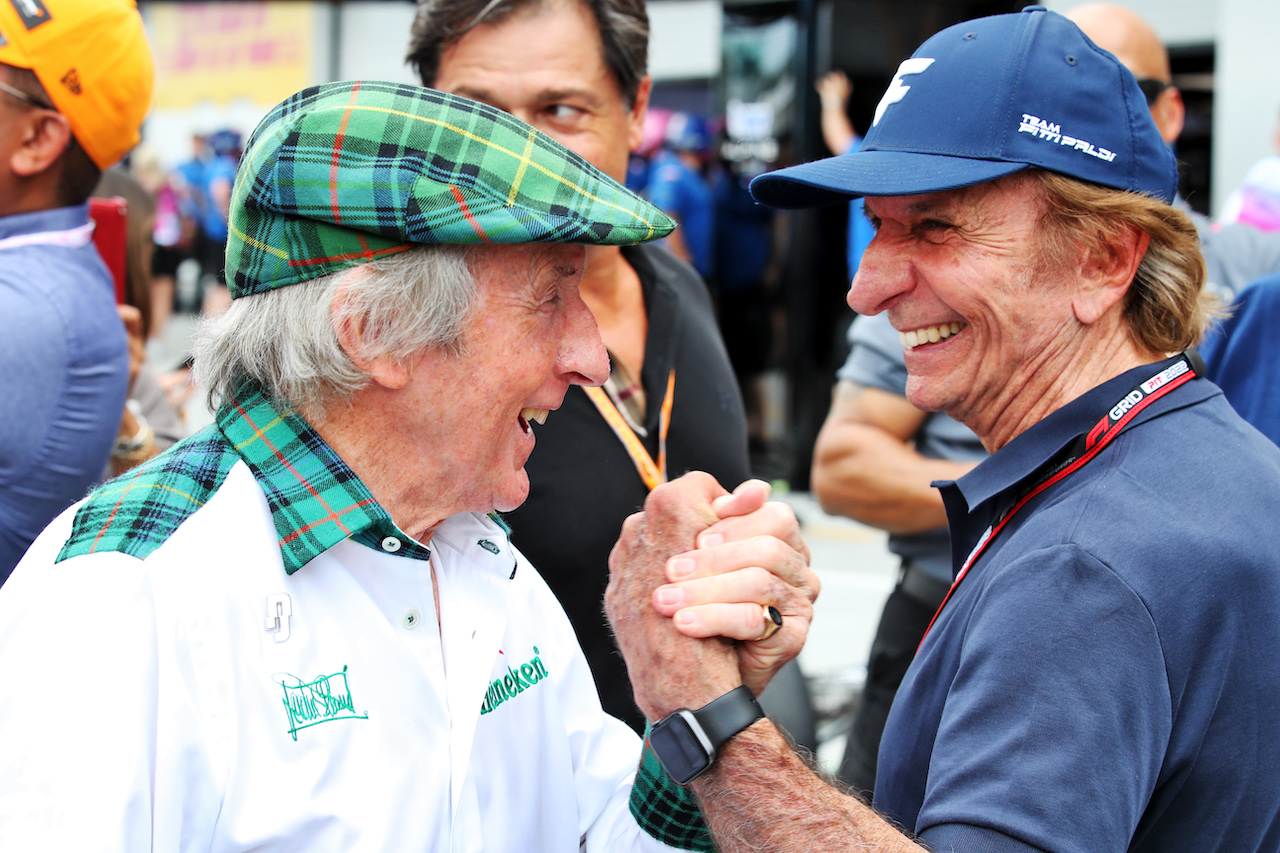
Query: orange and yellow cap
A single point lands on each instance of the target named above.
(94, 61)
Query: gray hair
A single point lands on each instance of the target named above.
(285, 340)
(623, 26)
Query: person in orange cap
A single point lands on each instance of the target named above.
(75, 83)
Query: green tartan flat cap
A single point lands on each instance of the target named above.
(343, 173)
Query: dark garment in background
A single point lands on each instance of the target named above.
(583, 485)
(1243, 355)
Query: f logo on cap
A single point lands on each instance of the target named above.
(897, 91)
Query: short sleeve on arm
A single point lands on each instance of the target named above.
(1054, 727)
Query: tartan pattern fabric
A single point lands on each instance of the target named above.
(346, 172)
(316, 501)
(665, 810)
(136, 512)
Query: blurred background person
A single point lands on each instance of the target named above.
(171, 234)
(64, 361)
(215, 189)
(1256, 201)
(747, 265)
(678, 187)
(148, 424)
(834, 90)
(1234, 254)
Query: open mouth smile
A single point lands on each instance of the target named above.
(538, 416)
(929, 334)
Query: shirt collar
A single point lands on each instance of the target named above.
(316, 501)
(56, 219)
(1017, 462)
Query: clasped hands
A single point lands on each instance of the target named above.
(692, 579)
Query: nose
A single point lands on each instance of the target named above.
(582, 354)
(883, 273)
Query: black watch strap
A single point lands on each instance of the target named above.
(723, 718)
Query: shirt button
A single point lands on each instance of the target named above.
(410, 619)
(391, 544)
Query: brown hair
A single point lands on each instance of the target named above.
(623, 26)
(1167, 307)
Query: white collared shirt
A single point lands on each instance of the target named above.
(204, 699)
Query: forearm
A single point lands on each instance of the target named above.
(760, 796)
(871, 477)
(837, 132)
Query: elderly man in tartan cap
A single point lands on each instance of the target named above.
(304, 628)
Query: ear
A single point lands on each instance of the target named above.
(1106, 274)
(1170, 113)
(42, 137)
(383, 368)
(635, 118)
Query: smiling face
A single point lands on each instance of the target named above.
(529, 338)
(982, 323)
(544, 64)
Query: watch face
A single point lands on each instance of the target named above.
(676, 742)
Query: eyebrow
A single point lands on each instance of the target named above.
(568, 269)
(546, 96)
(926, 206)
(916, 208)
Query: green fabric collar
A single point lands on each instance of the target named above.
(316, 500)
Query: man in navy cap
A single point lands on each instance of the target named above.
(1102, 674)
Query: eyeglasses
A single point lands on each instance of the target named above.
(1152, 88)
(23, 96)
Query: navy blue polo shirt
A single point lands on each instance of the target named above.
(1107, 675)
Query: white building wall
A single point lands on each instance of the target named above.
(1246, 107)
(372, 40)
(684, 39)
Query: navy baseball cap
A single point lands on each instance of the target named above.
(987, 98)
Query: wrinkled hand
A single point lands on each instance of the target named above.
(668, 670)
(752, 557)
(729, 554)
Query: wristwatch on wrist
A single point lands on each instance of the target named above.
(686, 742)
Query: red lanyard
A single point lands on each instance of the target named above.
(1188, 366)
(653, 473)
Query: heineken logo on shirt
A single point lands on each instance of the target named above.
(321, 700)
(516, 681)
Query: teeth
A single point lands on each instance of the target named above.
(538, 416)
(929, 335)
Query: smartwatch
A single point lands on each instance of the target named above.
(686, 741)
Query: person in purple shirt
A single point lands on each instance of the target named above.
(64, 362)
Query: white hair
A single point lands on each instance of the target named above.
(285, 340)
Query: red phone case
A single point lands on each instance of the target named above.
(110, 235)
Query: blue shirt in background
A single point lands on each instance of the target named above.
(64, 371)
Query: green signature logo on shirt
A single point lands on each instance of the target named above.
(323, 700)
